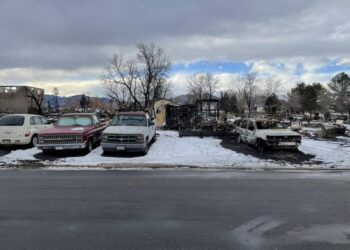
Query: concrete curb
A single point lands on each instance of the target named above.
(128, 166)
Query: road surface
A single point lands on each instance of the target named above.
(173, 209)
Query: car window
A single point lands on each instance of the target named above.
(43, 120)
(37, 120)
(243, 124)
(267, 125)
(66, 121)
(129, 120)
(251, 125)
(12, 121)
(96, 120)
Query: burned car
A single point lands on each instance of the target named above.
(72, 132)
(264, 133)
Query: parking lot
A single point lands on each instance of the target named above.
(172, 150)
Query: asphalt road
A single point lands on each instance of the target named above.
(173, 209)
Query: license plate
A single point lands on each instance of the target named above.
(6, 141)
(59, 148)
(120, 147)
(287, 143)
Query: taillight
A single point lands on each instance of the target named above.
(26, 134)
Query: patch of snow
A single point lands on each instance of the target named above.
(329, 152)
(170, 149)
(20, 155)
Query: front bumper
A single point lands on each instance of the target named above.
(282, 145)
(61, 146)
(125, 147)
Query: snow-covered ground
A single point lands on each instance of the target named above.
(202, 152)
(335, 153)
(170, 149)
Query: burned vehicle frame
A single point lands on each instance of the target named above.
(264, 133)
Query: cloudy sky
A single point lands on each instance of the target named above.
(66, 43)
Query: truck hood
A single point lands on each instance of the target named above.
(126, 130)
(64, 130)
(276, 132)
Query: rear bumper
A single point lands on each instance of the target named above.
(14, 141)
(117, 147)
(61, 146)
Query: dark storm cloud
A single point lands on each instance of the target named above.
(71, 34)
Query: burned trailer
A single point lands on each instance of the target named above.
(207, 113)
(180, 117)
(207, 120)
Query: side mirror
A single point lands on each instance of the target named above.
(151, 124)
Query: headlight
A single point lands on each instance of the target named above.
(140, 138)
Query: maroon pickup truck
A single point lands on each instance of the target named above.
(72, 131)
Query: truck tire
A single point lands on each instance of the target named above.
(260, 145)
(145, 151)
(89, 146)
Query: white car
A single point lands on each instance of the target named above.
(129, 131)
(21, 129)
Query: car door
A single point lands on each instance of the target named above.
(243, 128)
(44, 123)
(251, 132)
(34, 123)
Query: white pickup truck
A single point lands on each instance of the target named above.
(129, 131)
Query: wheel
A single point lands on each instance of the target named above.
(261, 146)
(239, 139)
(34, 141)
(154, 139)
(89, 146)
(145, 150)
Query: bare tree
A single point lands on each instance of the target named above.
(202, 85)
(246, 85)
(139, 80)
(37, 95)
(196, 86)
(272, 86)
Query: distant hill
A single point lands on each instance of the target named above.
(67, 101)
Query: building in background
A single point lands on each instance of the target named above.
(21, 100)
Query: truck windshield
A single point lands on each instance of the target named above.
(67, 121)
(267, 125)
(129, 120)
(12, 121)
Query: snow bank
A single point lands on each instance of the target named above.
(20, 155)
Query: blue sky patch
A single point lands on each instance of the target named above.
(211, 67)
